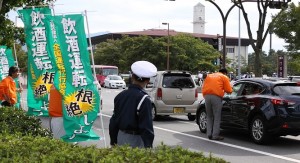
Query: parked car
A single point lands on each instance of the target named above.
(126, 78)
(294, 78)
(173, 93)
(114, 81)
(264, 108)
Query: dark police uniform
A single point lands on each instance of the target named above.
(127, 125)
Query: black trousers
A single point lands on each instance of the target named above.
(5, 103)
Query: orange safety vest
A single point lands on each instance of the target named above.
(55, 103)
(8, 90)
(216, 84)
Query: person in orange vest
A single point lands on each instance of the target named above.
(56, 113)
(214, 87)
(8, 89)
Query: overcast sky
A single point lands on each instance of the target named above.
(137, 15)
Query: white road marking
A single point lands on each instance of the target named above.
(227, 144)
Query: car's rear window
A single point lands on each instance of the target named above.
(287, 89)
(178, 81)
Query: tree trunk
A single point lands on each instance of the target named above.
(1, 1)
(257, 64)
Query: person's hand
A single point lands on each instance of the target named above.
(19, 89)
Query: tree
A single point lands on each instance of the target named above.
(9, 33)
(186, 53)
(262, 31)
(287, 27)
(270, 63)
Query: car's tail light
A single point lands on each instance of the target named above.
(277, 101)
(196, 93)
(159, 94)
(282, 102)
(285, 125)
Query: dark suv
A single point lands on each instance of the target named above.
(173, 93)
(262, 107)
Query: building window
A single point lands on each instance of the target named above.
(230, 50)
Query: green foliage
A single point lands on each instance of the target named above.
(22, 58)
(270, 63)
(9, 33)
(41, 149)
(287, 26)
(186, 52)
(15, 121)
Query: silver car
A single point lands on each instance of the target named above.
(173, 93)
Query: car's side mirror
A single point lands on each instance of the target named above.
(149, 85)
(226, 98)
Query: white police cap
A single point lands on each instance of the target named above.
(143, 69)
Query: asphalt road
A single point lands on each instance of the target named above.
(179, 131)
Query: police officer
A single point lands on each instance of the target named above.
(131, 122)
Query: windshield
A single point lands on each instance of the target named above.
(115, 78)
(109, 71)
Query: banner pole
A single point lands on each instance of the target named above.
(17, 64)
(90, 43)
(15, 50)
(94, 72)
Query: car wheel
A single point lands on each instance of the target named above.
(202, 120)
(258, 130)
(110, 86)
(154, 115)
(191, 117)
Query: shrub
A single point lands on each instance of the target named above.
(42, 149)
(14, 121)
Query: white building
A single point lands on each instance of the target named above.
(199, 19)
(232, 42)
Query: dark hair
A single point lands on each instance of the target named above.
(139, 78)
(223, 70)
(12, 70)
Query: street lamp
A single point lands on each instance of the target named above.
(168, 46)
(224, 19)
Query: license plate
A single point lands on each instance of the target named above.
(178, 110)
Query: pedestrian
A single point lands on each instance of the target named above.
(129, 78)
(131, 122)
(200, 78)
(8, 89)
(213, 91)
(56, 113)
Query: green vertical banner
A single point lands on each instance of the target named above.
(41, 70)
(75, 80)
(6, 61)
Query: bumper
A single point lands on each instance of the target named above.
(285, 126)
(163, 109)
(118, 86)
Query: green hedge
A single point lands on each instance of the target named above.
(23, 139)
(41, 149)
(14, 121)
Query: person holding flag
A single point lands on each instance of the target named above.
(8, 89)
